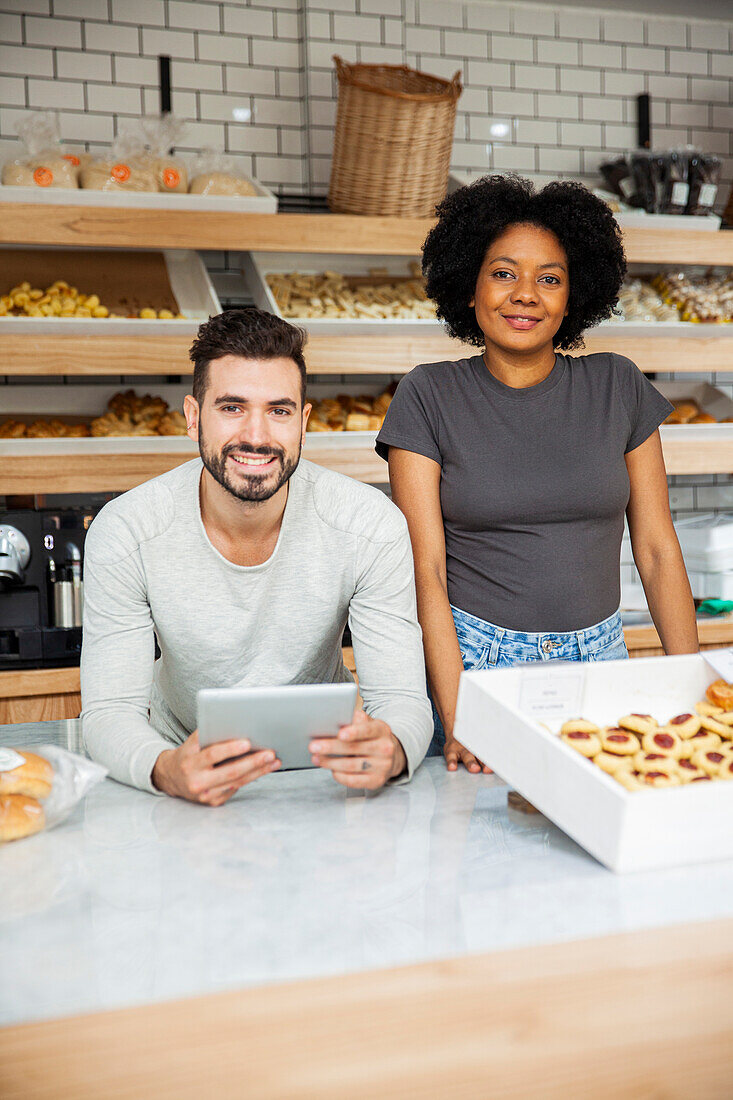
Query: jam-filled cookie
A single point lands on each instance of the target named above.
(703, 741)
(579, 725)
(610, 763)
(726, 719)
(709, 760)
(685, 725)
(629, 779)
(726, 768)
(688, 771)
(712, 725)
(720, 692)
(638, 723)
(619, 741)
(654, 761)
(708, 709)
(587, 744)
(661, 779)
(664, 741)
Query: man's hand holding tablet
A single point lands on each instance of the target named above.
(365, 754)
(200, 775)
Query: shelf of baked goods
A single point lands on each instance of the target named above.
(114, 469)
(119, 227)
(93, 318)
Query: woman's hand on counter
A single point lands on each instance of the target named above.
(365, 754)
(210, 775)
(455, 753)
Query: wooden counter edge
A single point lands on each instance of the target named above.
(634, 1015)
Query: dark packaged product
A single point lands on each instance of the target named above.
(660, 166)
(679, 189)
(618, 178)
(641, 168)
(704, 180)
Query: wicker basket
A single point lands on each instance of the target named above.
(394, 135)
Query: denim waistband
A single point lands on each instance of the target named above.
(544, 646)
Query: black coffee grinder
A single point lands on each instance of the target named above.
(41, 587)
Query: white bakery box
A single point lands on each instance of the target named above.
(706, 541)
(183, 269)
(510, 719)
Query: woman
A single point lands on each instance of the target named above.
(514, 468)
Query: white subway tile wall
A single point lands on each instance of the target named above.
(565, 80)
(532, 64)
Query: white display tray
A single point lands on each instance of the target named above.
(625, 830)
(191, 286)
(317, 443)
(684, 329)
(264, 202)
(710, 400)
(639, 219)
(256, 265)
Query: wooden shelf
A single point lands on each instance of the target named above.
(118, 227)
(115, 473)
(39, 354)
(100, 473)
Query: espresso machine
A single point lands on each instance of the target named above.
(41, 586)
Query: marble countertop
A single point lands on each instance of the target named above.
(138, 899)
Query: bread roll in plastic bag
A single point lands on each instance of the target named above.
(40, 786)
(45, 163)
(213, 173)
(162, 133)
(126, 168)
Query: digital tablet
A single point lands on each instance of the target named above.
(284, 719)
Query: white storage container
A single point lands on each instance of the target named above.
(707, 542)
(500, 718)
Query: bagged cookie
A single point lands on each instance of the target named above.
(214, 173)
(43, 162)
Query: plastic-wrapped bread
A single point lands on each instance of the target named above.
(43, 162)
(162, 133)
(215, 174)
(126, 168)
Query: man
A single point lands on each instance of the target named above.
(246, 565)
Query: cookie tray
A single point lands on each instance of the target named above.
(510, 717)
(188, 279)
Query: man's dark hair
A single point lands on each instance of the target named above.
(473, 217)
(249, 333)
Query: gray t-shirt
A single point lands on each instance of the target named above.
(533, 484)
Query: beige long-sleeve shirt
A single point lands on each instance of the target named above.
(343, 554)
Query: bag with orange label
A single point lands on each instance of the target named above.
(163, 133)
(124, 168)
(45, 162)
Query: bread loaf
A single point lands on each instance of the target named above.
(20, 816)
(24, 773)
(52, 171)
(110, 175)
(221, 183)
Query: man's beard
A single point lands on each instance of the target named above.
(252, 486)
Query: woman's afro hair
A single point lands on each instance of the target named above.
(473, 217)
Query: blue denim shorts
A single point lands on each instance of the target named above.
(484, 645)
